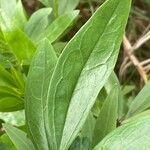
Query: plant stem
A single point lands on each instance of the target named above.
(91, 6)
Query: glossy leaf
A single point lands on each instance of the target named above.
(21, 46)
(82, 70)
(37, 23)
(107, 119)
(132, 135)
(39, 77)
(141, 101)
(19, 138)
(59, 26)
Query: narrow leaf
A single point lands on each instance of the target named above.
(37, 23)
(107, 120)
(19, 138)
(38, 80)
(9, 104)
(59, 26)
(82, 70)
(141, 101)
(132, 135)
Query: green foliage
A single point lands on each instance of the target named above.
(133, 134)
(71, 96)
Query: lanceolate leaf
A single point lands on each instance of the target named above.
(133, 135)
(61, 6)
(19, 138)
(38, 80)
(21, 46)
(141, 101)
(107, 120)
(82, 70)
(59, 26)
(37, 23)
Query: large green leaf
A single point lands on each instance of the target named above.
(82, 70)
(59, 26)
(19, 138)
(21, 46)
(38, 80)
(107, 119)
(37, 23)
(141, 101)
(132, 135)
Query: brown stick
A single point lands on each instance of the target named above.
(129, 51)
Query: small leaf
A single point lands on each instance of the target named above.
(82, 70)
(132, 135)
(5, 77)
(39, 77)
(107, 119)
(37, 23)
(59, 26)
(10, 104)
(19, 138)
(141, 101)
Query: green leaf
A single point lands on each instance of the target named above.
(19, 17)
(14, 11)
(9, 104)
(141, 101)
(6, 140)
(39, 77)
(8, 6)
(82, 70)
(18, 79)
(19, 138)
(21, 46)
(107, 119)
(62, 6)
(37, 23)
(113, 80)
(132, 135)
(9, 91)
(59, 26)
(5, 77)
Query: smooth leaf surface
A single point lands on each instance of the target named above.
(59, 26)
(5, 77)
(62, 6)
(132, 135)
(19, 138)
(107, 119)
(37, 23)
(10, 104)
(38, 80)
(141, 101)
(21, 46)
(82, 70)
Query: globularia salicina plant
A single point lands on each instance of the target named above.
(72, 99)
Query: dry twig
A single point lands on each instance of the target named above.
(129, 51)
